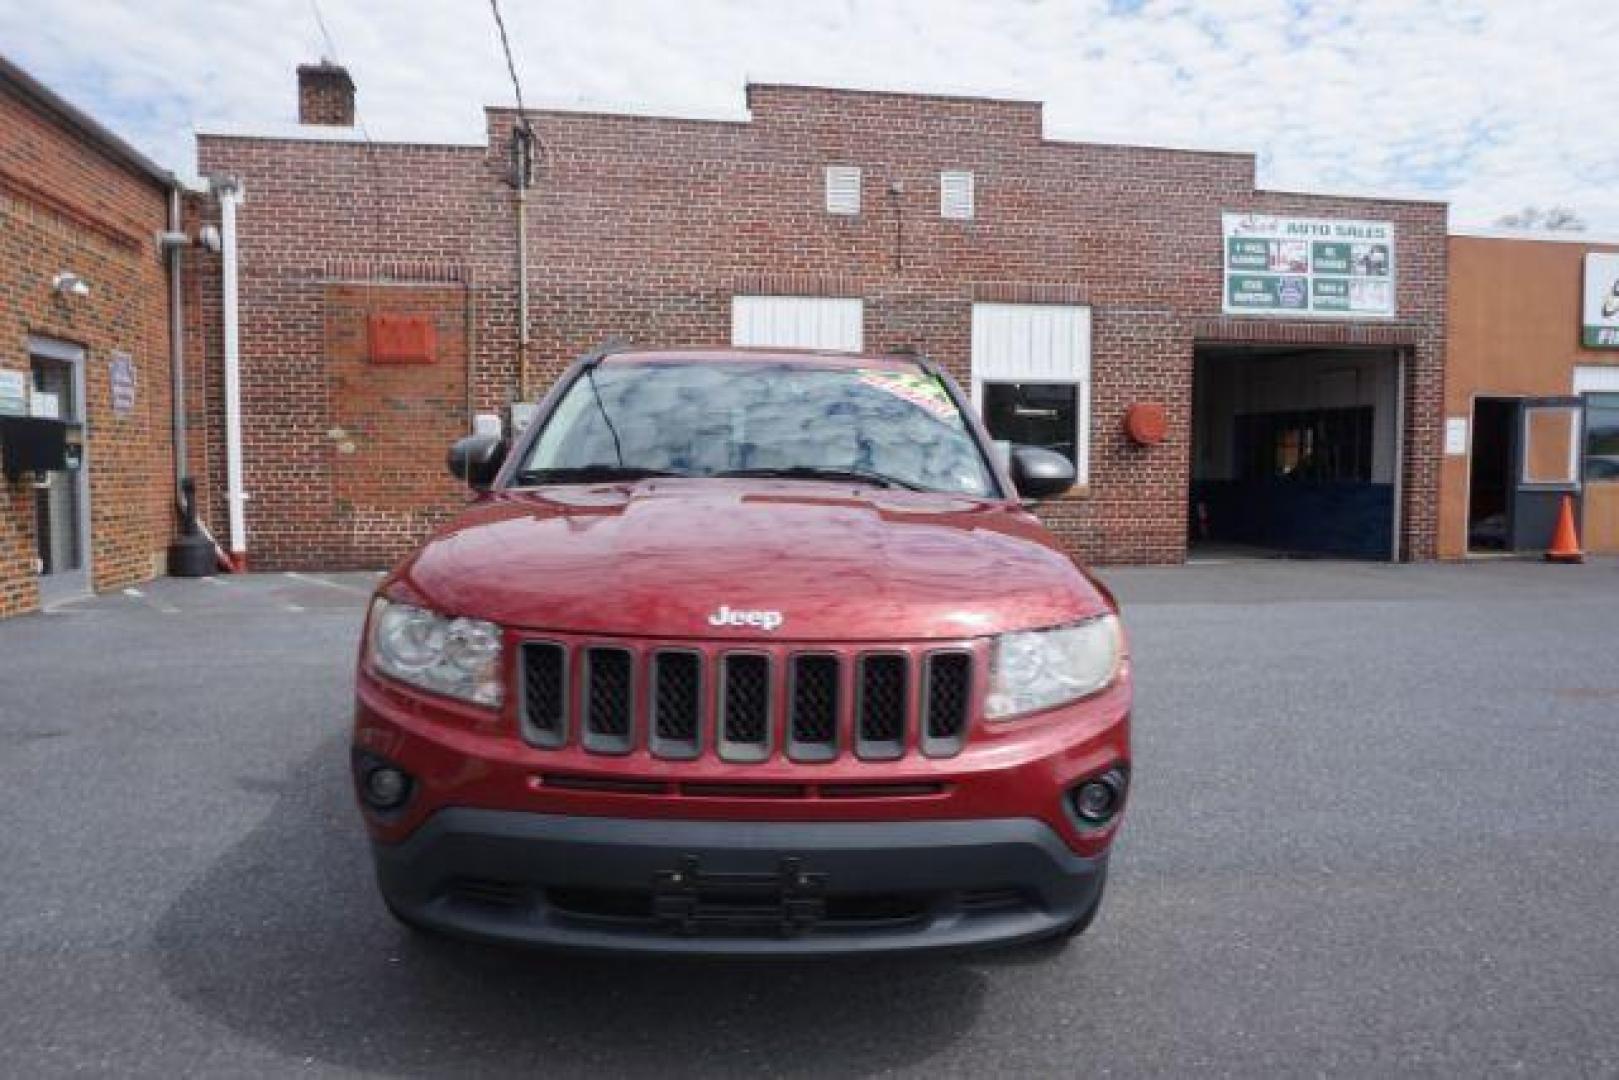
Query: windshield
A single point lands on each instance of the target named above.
(892, 428)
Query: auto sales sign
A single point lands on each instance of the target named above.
(1600, 324)
(1322, 267)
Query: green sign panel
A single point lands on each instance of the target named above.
(1247, 254)
(1308, 266)
(1329, 258)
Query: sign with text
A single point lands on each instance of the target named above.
(121, 377)
(1600, 324)
(1322, 267)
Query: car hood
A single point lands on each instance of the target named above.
(660, 558)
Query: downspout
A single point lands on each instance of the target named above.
(177, 389)
(230, 193)
(522, 148)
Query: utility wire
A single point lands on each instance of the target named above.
(320, 23)
(511, 67)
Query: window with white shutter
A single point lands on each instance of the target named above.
(842, 189)
(1031, 366)
(956, 195)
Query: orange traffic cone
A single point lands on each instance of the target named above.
(1565, 541)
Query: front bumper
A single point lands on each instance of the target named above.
(765, 889)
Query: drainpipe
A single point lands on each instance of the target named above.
(230, 193)
(522, 165)
(191, 554)
(177, 391)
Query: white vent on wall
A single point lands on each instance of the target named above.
(842, 189)
(956, 195)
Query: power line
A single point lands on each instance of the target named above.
(517, 86)
(320, 22)
(511, 65)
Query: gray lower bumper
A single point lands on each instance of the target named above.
(746, 889)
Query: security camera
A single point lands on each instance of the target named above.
(67, 283)
(208, 237)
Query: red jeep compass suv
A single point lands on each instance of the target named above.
(745, 652)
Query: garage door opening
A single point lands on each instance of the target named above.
(1295, 452)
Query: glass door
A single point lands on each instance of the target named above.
(1550, 431)
(61, 496)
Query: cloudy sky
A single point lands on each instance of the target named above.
(1492, 104)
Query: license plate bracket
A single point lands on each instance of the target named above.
(788, 901)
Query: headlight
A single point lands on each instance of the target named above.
(457, 657)
(1036, 669)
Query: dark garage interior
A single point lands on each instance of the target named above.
(1294, 451)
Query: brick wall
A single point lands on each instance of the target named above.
(65, 205)
(645, 228)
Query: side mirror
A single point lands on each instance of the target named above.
(476, 459)
(1039, 473)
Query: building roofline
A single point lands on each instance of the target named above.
(85, 125)
(283, 132)
(1072, 137)
(629, 110)
(585, 107)
(1420, 198)
(1536, 236)
(932, 93)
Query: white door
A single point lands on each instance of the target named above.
(798, 322)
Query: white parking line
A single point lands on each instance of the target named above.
(312, 580)
(151, 602)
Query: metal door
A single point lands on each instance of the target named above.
(1548, 449)
(61, 496)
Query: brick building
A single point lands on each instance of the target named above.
(1294, 343)
(86, 429)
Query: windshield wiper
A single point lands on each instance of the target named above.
(590, 474)
(816, 472)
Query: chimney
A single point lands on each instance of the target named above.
(325, 95)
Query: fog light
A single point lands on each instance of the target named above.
(1097, 800)
(386, 787)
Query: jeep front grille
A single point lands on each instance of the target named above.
(748, 703)
(608, 699)
(813, 696)
(677, 702)
(745, 707)
(544, 677)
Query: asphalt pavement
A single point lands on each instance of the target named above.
(1375, 830)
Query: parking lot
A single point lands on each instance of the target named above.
(1375, 829)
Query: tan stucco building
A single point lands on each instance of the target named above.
(1531, 391)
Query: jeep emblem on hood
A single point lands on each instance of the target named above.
(764, 620)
